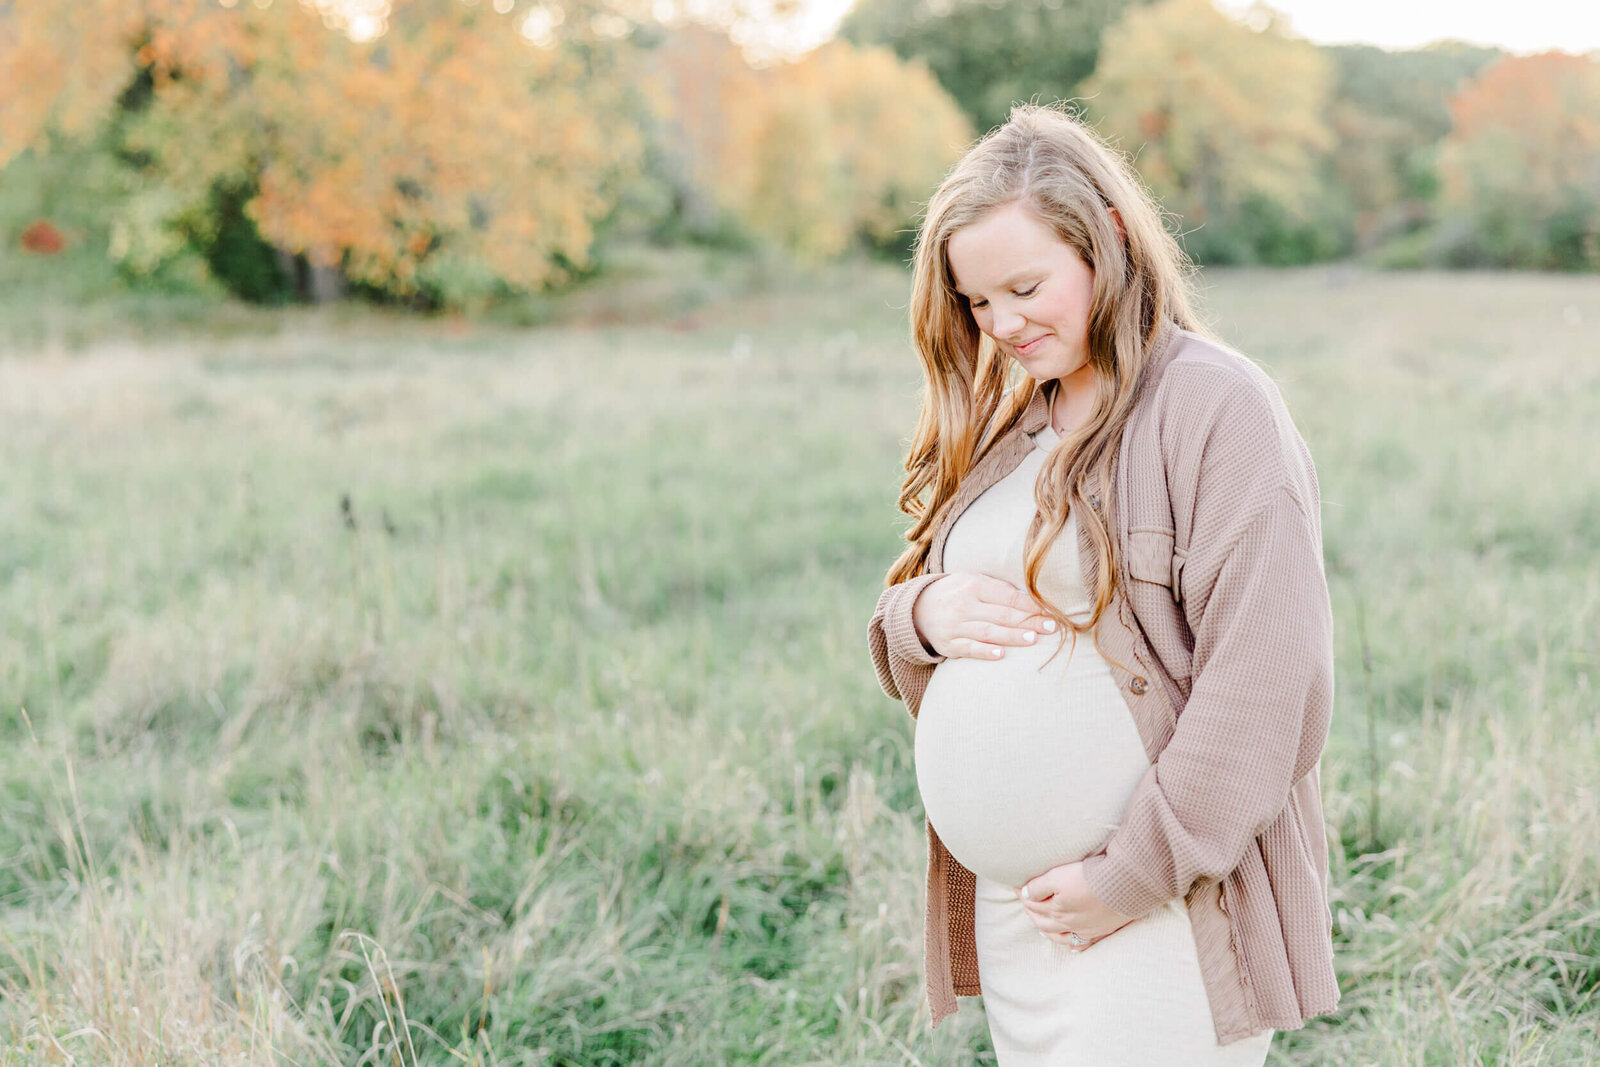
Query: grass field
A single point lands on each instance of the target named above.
(377, 690)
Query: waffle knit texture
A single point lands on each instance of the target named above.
(1219, 634)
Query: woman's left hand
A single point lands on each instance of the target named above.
(1060, 902)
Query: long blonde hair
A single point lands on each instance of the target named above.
(1078, 186)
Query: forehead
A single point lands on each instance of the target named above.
(1010, 240)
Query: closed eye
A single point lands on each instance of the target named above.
(979, 305)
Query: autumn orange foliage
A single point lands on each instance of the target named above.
(1539, 98)
(1523, 160)
(456, 136)
(42, 238)
(840, 145)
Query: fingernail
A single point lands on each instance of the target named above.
(1023, 893)
(1049, 626)
(999, 652)
(1028, 636)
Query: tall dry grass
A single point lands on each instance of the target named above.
(406, 692)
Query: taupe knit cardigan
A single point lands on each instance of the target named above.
(1219, 635)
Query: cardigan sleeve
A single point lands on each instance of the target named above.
(902, 662)
(1256, 600)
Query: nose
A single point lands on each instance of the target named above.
(1008, 323)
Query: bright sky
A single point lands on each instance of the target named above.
(1516, 25)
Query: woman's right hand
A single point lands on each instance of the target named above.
(976, 615)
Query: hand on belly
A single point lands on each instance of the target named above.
(970, 614)
(1061, 904)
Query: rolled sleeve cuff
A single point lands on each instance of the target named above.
(899, 631)
(1123, 875)
(1121, 888)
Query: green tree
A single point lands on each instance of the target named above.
(989, 55)
(1227, 124)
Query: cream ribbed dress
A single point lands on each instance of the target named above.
(1024, 766)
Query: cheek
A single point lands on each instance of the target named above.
(1071, 312)
(1084, 296)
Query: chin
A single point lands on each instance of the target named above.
(1044, 373)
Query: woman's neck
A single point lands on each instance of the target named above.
(1071, 400)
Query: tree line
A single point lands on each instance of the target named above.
(443, 152)
(1267, 148)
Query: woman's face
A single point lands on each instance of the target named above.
(1027, 288)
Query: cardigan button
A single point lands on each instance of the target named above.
(1137, 685)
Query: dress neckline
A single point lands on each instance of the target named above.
(1045, 437)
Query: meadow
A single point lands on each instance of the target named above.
(390, 690)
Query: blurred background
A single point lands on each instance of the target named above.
(450, 451)
(451, 154)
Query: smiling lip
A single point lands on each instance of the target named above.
(1029, 346)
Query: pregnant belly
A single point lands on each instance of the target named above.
(1023, 767)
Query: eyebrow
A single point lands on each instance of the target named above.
(1008, 283)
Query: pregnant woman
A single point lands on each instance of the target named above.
(1112, 626)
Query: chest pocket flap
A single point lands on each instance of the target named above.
(1153, 557)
